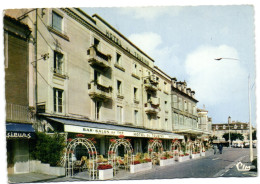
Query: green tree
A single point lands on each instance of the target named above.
(233, 136)
(49, 148)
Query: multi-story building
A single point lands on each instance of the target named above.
(205, 124)
(90, 79)
(218, 130)
(19, 113)
(184, 111)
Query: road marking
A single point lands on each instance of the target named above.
(223, 171)
(215, 158)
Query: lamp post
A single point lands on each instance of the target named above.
(249, 104)
(229, 140)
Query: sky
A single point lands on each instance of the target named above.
(185, 40)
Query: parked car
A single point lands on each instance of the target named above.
(246, 145)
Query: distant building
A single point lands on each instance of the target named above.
(220, 129)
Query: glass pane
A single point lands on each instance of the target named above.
(56, 21)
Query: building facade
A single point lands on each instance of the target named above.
(220, 129)
(82, 76)
(205, 124)
(19, 115)
(87, 78)
(184, 111)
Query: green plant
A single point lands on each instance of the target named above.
(49, 148)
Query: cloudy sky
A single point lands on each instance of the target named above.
(184, 40)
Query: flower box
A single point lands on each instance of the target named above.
(184, 158)
(140, 167)
(194, 156)
(105, 174)
(169, 161)
(202, 154)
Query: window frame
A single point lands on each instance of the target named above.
(58, 28)
(58, 100)
(58, 64)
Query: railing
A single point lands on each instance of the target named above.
(151, 108)
(99, 91)
(18, 113)
(97, 58)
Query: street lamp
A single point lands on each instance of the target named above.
(249, 104)
(229, 140)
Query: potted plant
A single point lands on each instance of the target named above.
(105, 171)
(141, 165)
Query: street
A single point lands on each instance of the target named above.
(219, 165)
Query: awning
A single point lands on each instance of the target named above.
(19, 130)
(77, 126)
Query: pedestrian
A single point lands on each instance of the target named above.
(215, 148)
(220, 148)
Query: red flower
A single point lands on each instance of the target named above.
(160, 141)
(151, 140)
(110, 152)
(80, 135)
(150, 150)
(128, 140)
(69, 140)
(171, 156)
(121, 136)
(136, 162)
(181, 155)
(186, 154)
(148, 159)
(112, 140)
(104, 166)
(163, 158)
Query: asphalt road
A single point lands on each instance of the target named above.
(207, 167)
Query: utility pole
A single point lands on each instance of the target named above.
(250, 126)
(229, 140)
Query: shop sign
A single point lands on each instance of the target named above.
(87, 130)
(18, 135)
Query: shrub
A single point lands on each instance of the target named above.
(49, 148)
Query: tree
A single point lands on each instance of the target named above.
(233, 136)
(49, 148)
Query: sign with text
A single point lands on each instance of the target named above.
(87, 130)
(18, 135)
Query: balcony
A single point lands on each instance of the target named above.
(99, 60)
(152, 106)
(100, 92)
(18, 113)
(150, 84)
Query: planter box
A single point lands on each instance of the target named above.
(105, 174)
(38, 167)
(167, 162)
(194, 156)
(202, 154)
(176, 158)
(140, 167)
(184, 158)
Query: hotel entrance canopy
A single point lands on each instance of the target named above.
(86, 127)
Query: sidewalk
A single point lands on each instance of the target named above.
(29, 178)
